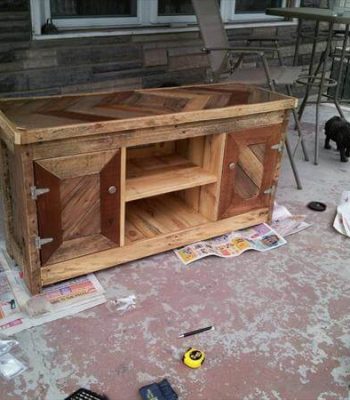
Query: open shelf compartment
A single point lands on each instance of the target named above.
(155, 216)
(166, 167)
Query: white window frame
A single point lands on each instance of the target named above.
(242, 17)
(147, 16)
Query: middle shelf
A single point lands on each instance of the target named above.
(159, 174)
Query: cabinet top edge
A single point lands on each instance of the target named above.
(36, 120)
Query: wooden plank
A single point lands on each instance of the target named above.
(80, 201)
(80, 165)
(151, 150)
(110, 198)
(8, 131)
(6, 199)
(116, 126)
(165, 182)
(213, 162)
(148, 166)
(277, 161)
(122, 227)
(146, 136)
(95, 262)
(80, 246)
(32, 267)
(132, 234)
(194, 153)
(49, 209)
(158, 215)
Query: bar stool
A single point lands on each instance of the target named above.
(314, 81)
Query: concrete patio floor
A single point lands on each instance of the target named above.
(282, 318)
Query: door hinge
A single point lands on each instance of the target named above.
(270, 191)
(40, 242)
(278, 146)
(36, 192)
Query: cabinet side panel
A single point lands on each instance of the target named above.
(32, 272)
(6, 197)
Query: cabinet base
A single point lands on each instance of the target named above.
(113, 257)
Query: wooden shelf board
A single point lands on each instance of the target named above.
(149, 218)
(151, 176)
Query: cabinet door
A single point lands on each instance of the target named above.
(250, 169)
(79, 212)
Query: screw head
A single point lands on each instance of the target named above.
(112, 190)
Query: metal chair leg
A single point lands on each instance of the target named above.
(292, 163)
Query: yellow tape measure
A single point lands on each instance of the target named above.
(193, 358)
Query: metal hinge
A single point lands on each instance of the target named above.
(271, 190)
(40, 242)
(278, 146)
(36, 192)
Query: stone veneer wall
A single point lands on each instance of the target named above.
(102, 63)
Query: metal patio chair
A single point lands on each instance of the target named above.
(225, 62)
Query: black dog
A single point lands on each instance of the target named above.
(338, 130)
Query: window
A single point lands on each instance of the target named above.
(175, 7)
(251, 6)
(85, 14)
(85, 8)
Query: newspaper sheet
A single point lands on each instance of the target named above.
(285, 223)
(60, 300)
(342, 219)
(260, 237)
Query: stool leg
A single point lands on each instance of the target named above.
(298, 126)
(292, 163)
(316, 133)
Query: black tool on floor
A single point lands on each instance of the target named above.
(158, 391)
(84, 394)
(317, 206)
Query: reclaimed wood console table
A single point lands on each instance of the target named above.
(93, 181)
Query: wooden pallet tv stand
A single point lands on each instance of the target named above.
(93, 181)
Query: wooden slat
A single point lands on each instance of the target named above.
(122, 227)
(80, 200)
(80, 246)
(165, 182)
(150, 135)
(80, 165)
(110, 202)
(118, 126)
(91, 263)
(213, 162)
(49, 212)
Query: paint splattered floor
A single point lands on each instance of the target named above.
(282, 318)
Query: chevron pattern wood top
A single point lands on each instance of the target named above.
(130, 109)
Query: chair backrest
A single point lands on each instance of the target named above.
(212, 31)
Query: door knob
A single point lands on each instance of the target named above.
(232, 165)
(112, 190)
